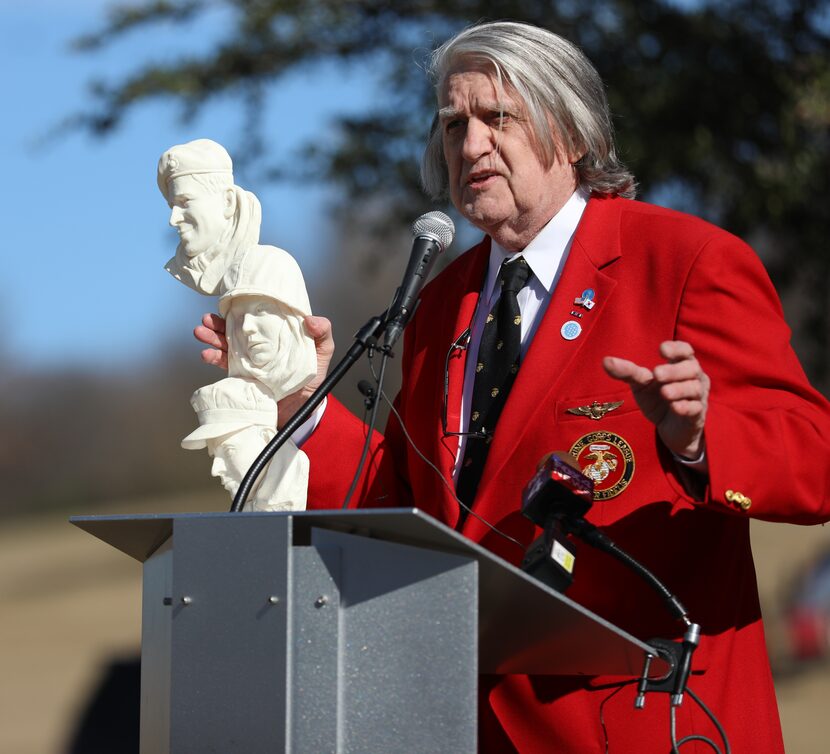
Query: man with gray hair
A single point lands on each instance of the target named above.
(507, 358)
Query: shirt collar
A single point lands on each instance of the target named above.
(546, 251)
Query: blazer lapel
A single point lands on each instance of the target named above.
(595, 245)
(456, 316)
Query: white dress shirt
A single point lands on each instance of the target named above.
(546, 255)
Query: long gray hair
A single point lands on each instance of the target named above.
(557, 84)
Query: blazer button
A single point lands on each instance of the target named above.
(739, 498)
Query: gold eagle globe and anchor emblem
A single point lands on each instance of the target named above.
(607, 459)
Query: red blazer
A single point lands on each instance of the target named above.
(657, 275)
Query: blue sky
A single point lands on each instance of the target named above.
(85, 228)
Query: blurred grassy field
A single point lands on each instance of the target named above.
(71, 604)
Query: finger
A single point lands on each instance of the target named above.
(215, 358)
(211, 338)
(320, 329)
(686, 390)
(213, 322)
(676, 350)
(317, 327)
(688, 409)
(627, 371)
(688, 369)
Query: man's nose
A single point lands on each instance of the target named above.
(217, 467)
(478, 140)
(176, 215)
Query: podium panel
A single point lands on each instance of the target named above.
(345, 632)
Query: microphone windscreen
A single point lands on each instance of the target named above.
(435, 224)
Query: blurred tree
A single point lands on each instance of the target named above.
(76, 439)
(722, 107)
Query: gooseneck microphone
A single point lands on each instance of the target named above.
(433, 232)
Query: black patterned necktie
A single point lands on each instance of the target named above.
(496, 369)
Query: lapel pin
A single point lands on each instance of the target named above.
(596, 410)
(571, 330)
(586, 299)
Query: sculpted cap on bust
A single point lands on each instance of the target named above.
(199, 157)
(215, 219)
(237, 417)
(228, 406)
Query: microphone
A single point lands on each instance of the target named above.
(433, 232)
(558, 488)
(556, 497)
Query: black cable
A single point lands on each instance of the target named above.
(602, 710)
(372, 421)
(362, 339)
(447, 484)
(598, 539)
(675, 744)
(697, 737)
(711, 715)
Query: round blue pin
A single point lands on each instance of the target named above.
(588, 294)
(571, 330)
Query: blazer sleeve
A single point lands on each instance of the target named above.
(335, 447)
(767, 430)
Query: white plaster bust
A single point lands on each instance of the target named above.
(265, 304)
(237, 418)
(215, 219)
(264, 299)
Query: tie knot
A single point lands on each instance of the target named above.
(514, 275)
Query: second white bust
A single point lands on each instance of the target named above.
(262, 295)
(237, 417)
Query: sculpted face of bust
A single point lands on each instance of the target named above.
(259, 332)
(233, 454)
(201, 214)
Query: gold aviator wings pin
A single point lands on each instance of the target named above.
(596, 410)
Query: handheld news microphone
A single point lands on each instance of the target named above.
(433, 232)
(557, 494)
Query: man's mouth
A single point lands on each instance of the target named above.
(481, 178)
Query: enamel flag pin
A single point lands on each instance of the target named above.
(586, 299)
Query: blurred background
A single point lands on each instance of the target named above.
(722, 109)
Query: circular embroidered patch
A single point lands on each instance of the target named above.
(607, 459)
(571, 330)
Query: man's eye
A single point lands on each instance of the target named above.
(453, 125)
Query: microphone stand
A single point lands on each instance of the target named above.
(557, 499)
(365, 337)
(679, 656)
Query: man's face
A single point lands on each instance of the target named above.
(497, 178)
(233, 455)
(199, 214)
(257, 324)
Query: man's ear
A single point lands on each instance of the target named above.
(229, 209)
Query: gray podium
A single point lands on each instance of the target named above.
(348, 632)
